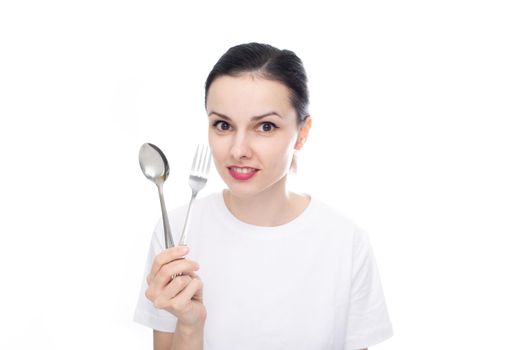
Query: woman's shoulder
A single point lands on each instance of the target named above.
(323, 206)
(333, 215)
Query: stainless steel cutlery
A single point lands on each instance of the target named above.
(198, 178)
(154, 165)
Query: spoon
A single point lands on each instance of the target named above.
(155, 167)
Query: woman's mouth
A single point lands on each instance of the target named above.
(242, 174)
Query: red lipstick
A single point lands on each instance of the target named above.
(242, 176)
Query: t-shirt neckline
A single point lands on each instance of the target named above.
(233, 222)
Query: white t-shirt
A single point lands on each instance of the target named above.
(312, 283)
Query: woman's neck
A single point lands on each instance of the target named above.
(274, 207)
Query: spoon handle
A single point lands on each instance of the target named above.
(168, 240)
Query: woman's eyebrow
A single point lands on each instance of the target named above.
(257, 117)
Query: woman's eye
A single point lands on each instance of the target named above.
(268, 127)
(221, 125)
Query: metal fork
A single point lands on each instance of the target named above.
(198, 177)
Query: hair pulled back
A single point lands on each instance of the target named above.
(269, 62)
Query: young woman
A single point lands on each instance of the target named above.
(265, 268)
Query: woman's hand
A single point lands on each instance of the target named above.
(179, 295)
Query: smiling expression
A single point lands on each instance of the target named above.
(253, 131)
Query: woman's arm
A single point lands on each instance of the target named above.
(187, 339)
(162, 340)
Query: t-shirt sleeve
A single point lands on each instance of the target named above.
(368, 319)
(145, 312)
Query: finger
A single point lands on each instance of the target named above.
(176, 286)
(172, 289)
(182, 300)
(198, 295)
(193, 274)
(165, 257)
(174, 268)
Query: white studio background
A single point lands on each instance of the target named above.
(418, 112)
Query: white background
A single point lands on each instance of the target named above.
(418, 134)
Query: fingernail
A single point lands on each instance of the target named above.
(185, 249)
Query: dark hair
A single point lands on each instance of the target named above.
(274, 64)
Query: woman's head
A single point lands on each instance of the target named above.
(269, 63)
(257, 105)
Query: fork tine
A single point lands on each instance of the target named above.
(205, 160)
(209, 162)
(195, 159)
(202, 152)
(198, 168)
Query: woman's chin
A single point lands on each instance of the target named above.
(241, 192)
(246, 189)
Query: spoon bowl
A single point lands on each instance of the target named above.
(153, 163)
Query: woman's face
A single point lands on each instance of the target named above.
(252, 132)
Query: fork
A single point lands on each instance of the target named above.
(198, 178)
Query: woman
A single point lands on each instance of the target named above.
(278, 270)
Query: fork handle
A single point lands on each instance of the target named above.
(187, 221)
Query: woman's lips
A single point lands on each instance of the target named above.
(242, 176)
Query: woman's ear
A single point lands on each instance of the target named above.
(303, 133)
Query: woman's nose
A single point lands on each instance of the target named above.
(241, 147)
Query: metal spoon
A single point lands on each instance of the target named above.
(155, 167)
